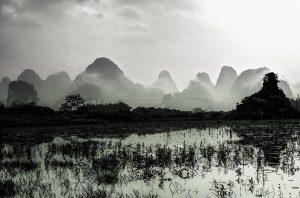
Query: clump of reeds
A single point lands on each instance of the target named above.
(7, 188)
(22, 165)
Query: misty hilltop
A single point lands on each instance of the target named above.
(103, 81)
(165, 83)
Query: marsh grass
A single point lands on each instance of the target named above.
(21, 165)
(63, 164)
(222, 189)
(7, 188)
(100, 168)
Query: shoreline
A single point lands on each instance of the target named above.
(118, 129)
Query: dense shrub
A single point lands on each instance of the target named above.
(27, 109)
(72, 102)
(118, 111)
(269, 103)
(150, 113)
(7, 188)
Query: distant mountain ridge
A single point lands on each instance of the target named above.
(49, 90)
(165, 83)
(105, 67)
(31, 77)
(204, 79)
(226, 79)
(115, 86)
(104, 81)
(20, 92)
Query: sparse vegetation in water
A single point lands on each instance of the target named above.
(21, 165)
(7, 188)
(65, 164)
(222, 189)
(177, 163)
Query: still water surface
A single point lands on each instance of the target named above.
(227, 161)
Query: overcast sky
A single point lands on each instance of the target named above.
(146, 36)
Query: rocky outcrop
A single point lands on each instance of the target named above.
(50, 90)
(204, 79)
(31, 77)
(114, 85)
(108, 76)
(60, 78)
(89, 92)
(55, 87)
(285, 88)
(196, 90)
(4, 89)
(247, 83)
(106, 68)
(21, 92)
(194, 96)
(225, 81)
(268, 103)
(165, 83)
(110, 83)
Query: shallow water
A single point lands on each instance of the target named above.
(229, 161)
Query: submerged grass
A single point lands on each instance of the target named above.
(102, 167)
(21, 165)
(7, 188)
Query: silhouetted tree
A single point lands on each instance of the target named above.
(270, 82)
(2, 107)
(269, 102)
(72, 102)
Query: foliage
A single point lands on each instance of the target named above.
(2, 106)
(32, 114)
(7, 188)
(118, 111)
(26, 109)
(269, 103)
(72, 102)
(150, 113)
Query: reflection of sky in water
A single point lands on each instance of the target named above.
(178, 138)
(65, 170)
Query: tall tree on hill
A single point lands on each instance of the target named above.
(270, 102)
(72, 102)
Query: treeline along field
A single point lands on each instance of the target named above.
(269, 103)
(31, 114)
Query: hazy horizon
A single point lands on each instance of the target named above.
(145, 37)
(181, 85)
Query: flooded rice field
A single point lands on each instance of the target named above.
(241, 159)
